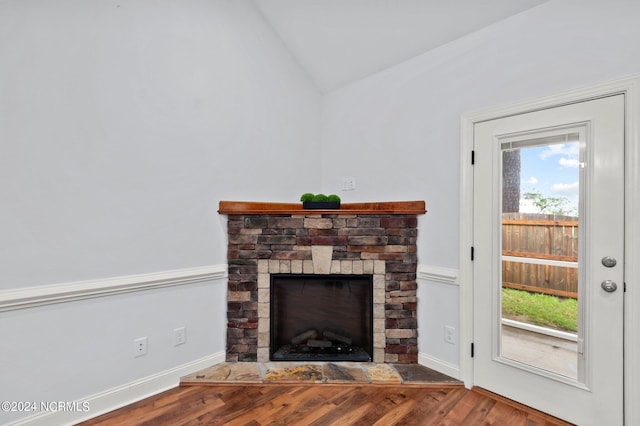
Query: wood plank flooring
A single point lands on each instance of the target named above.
(260, 405)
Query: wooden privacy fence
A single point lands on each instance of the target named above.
(540, 253)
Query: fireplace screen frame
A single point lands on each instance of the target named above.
(361, 350)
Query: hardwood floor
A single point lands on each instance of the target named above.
(258, 405)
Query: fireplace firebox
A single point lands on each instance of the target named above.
(321, 317)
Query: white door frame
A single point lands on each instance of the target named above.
(630, 87)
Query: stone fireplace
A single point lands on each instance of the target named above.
(359, 239)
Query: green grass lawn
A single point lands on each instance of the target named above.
(540, 309)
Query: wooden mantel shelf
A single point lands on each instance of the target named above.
(255, 207)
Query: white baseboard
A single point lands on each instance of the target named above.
(121, 396)
(137, 390)
(439, 365)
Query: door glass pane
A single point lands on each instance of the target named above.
(539, 294)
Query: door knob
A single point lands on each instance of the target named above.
(609, 286)
(609, 261)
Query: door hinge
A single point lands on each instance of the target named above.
(624, 287)
(473, 157)
(472, 351)
(472, 253)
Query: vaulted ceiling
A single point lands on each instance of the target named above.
(341, 41)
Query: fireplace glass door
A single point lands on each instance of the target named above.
(321, 317)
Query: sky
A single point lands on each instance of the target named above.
(552, 170)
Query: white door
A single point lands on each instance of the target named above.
(563, 166)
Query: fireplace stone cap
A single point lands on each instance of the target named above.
(256, 207)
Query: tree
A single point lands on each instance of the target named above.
(511, 181)
(550, 205)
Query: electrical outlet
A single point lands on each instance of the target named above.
(348, 183)
(139, 347)
(179, 336)
(449, 334)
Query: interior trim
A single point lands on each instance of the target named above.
(30, 297)
(438, 274)
(120, 396)
(439, 365)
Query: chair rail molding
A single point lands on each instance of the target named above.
(438, 274)
(29, 297)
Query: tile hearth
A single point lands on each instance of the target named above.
(359, 373)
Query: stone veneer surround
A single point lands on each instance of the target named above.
(377, 239)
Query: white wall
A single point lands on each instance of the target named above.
(436, 310)
(71, 351)
(398, 132)
(122, 124)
